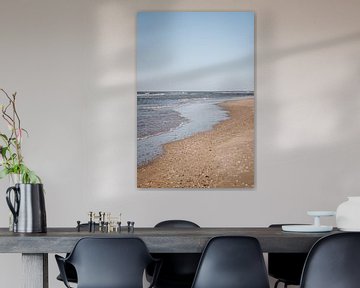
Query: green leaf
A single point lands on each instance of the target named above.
(3, 173)
(4, 137)
(26, 132)
(27, 175)
(3, 151)
(33, 178)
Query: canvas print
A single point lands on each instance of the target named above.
(195, 100)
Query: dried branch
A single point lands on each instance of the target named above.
(10, 153)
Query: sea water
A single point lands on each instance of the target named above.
(163, 117)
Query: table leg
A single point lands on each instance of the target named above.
(35, 270)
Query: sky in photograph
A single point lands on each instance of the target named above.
(195, 51)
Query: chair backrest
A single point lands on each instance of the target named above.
(176, 224)
(333, 262)
(232, 262)
(110, 262)
(178, 269)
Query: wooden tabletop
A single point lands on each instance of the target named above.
(158, 240)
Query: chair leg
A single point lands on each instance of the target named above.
(278, 282)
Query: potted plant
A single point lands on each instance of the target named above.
(26, 198)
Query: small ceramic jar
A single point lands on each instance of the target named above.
(348, 214)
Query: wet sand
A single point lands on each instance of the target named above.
(220, 158)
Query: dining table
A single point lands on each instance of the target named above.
(35, 247)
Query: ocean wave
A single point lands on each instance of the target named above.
(200, 115)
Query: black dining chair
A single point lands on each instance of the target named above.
(108, 263)
(178, 269)
(232, 262)
(286, 267)
(333, 262)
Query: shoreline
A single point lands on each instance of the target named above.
(197, 117)
(222, 157)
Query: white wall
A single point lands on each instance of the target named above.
(73, 66)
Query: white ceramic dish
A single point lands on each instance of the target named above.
(321, 213)
(306, 228)
(350, 229)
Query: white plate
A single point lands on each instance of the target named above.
(350, 229)
(306, 228)
(321, 213)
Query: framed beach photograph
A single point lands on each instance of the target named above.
(195, 100)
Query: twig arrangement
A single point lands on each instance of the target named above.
(12, 160)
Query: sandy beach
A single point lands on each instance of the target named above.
(220, 158)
